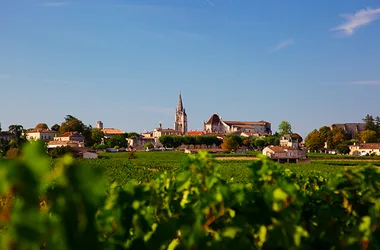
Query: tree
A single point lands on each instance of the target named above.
(41, 126)
(117, 140)
(4, 147)
(314, 141)
(97, 135)
(284, 128)
(260, 143)
(335, 137)
(17, 137)
(368, 136)
(230, 143)
(342, 149)
(149, 145)
(237, 138)
(55, 127)
(324, 132)
(132, 135)
(369, 123)
(272, 140)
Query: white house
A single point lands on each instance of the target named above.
(284, 154)
(40, 134)
(365, 149)
(289, 141)
(70, 136)
(73, 144)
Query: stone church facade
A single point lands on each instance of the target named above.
(216, 125)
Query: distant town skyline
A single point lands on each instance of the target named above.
(124, 62)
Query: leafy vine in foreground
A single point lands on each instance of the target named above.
(71, 206)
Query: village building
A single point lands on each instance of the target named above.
(365, 149)
(352, 129)
(70, 136)
(289, 141)
(284, 154)
(40, 134)
(138, 142)
(180, 122)
(56, 144)
(7, 136)
(217, 125)
(85, 153)
(195, 133)
(108, 132)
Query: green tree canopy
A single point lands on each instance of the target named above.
(117, 140)
(284, 128)
(342, 149)
(230, 143)
(55, 127)
(260, 143)
(369, 123)
(97, 135)
(314, 141)
(148, 145)
(368, 136)
(41, 126)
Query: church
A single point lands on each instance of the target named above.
(217, 125)
(180, 122)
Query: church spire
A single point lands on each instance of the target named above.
(180, 105)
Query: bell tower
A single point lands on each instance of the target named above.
(180, 123)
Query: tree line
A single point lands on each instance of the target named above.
(93, 137)
(336, 138)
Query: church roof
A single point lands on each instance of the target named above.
(215, 119)
(238, 123)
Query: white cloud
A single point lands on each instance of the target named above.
(354, 22)
(365, 83)
(210, 2)
(56, 4)
(281, 45)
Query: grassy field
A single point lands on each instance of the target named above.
(148, 166)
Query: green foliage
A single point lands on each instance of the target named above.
(41, 126)
(59, 208)
(260, 143)
(101, 146)
(117, 140)
(368, 136)
(231, 142)
(174, 141)
(97, 135)
(60, 151)
(314, 141)
(343, 149)
(284, 128)
(149, 145)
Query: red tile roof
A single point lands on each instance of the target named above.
(279, 149)
(41, 131)
(369, 145)
(67, 134)
(196, 132)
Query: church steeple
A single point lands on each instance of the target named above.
(180, 123)
(180, 105)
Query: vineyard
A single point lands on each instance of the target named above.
(169, 200)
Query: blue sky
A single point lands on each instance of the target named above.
(124, 62)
